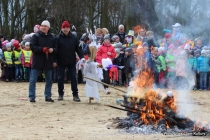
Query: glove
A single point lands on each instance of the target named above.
(45, 49)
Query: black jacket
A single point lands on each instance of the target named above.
(38, 42)
(122, 37)
(67, 46)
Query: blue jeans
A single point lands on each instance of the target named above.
(27, 71)
(33, 79)
(203, 80)
(18, 72)
(72, 73)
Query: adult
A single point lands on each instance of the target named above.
(121, 33)
(106, 50)
(2, 39)
(177, 36)
(44, 48)
(141, 35)
(68, 44)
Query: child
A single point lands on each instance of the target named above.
(161, 65)
(90, 70)
(27, 61)
(202, 69)
(181, 71)
(128, 60)
(9, 59)
(17, 61)
(147, 54)
(192, 61)
(150, 40)
(118, 60)
(170, 64)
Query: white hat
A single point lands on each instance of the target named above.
(27, 44)
(187, 47)
(46, 22)
(161, 49)
(9, 44)
(177, 25)
(203, 52)
(170, 94)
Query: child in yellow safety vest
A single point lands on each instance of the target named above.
(17, 61)
(8, 59)
(27, 61)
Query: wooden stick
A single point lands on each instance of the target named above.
(105, 84)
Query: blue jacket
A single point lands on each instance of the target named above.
(202, 64)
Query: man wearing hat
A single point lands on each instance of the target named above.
(44, 48)
(177, 34)
(68, 46)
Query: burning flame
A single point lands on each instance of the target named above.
(200, 126)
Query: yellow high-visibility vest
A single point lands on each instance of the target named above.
(8, 57)
(18, 56)
(27, 55)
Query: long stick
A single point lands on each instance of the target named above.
(105, 84)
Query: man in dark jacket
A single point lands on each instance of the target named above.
(43, 46)
(68, 44)
(121, 34)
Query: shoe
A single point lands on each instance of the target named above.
(49, 100)
(7, 80)
(16, 81)
(107, 91)
(76, 99)
(32, 100)
(60, 97)
(200, 89)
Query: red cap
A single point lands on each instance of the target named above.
(65, 24)
(16, 44)
(167, 35)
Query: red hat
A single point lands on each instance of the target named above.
(167, 35)
(65, 24)
(16, 44)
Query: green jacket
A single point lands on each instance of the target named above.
(170, 57)
(161, 63)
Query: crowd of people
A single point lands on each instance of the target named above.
(43, 56)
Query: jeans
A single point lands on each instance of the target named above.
(27, 71)
(203, 80)
(73, 77)
(54, 74)
(18, 72)
(48, 83)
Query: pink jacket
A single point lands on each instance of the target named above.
(102, 52)
(181, 65)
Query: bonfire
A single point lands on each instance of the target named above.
(149, 110)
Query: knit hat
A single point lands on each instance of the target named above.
(145, 44)
(203, 52)
(117, 51)
(161, 49)
(107, 36)
(46, 22)
(129, 50)
(187, 47)
(198, 51)
(191, 53)
(9, 44)
(205, 47)
(114, 37)
(4, 42)
(16, 44)
(167, 35)
(27, 44)
(118, 45)
(65, 24)
(36, 28)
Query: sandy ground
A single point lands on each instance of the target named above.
(63, 120)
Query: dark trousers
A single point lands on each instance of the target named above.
(106, 77)
(203, 80)
(9, 73)
(72, 73)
